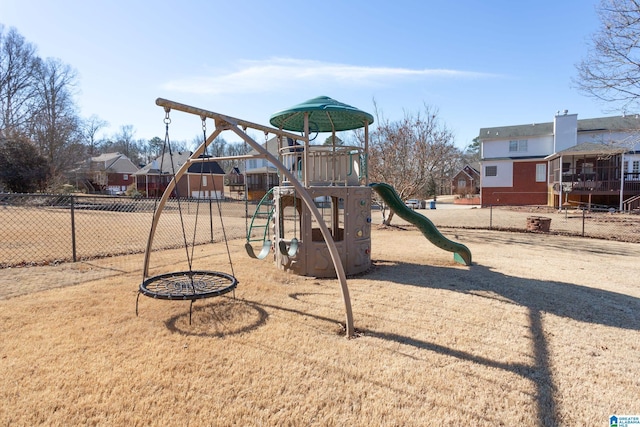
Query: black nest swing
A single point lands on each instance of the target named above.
(187, 285)
(192, 284)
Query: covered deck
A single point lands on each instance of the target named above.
(594, 174)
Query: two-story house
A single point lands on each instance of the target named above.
(109, 173)
(203, 179)
(260, 174)
(466, 182)
(567, 161)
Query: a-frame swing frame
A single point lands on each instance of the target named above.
(239, 127)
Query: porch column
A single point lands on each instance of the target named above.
(622, 171)
(560, 203)
(305, 157)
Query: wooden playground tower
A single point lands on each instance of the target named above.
(320, 221)
(336, 180)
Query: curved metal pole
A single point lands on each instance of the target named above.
(328, 238)
(167, 194)
(230, 123)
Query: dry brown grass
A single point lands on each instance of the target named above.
(542, 330)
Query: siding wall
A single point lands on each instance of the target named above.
(536, 146)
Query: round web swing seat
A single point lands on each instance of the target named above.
(188, 285)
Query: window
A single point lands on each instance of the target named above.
(625, 166)
(541, 172)
(462, 183)
(519, 145)
(636, 166)
(491, 171)
(125, 177)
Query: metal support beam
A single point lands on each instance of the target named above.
(239, 127)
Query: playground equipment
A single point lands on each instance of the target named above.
(299, 167)
(335, 178)
(190, 284)
(316, 221)
(261, 220)
(461, 253)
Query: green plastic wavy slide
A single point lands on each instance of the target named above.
(461, 253)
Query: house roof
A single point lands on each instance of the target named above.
(114, 162)
(474, 170)
(210, 167)
(105, 157)
(589, 148)
(517, 131)
(616, 123)
(162, 165)
(468, 171)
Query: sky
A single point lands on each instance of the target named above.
(478, 63)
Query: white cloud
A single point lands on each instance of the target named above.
(284, 73)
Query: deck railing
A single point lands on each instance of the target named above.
(327, 165)
(593, 182)
(632, 203)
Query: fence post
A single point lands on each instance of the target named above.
(73, 228)
(211, 219)
(490, 217)
(583, 220)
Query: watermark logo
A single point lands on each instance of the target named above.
(624, 421)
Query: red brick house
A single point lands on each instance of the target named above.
(564, 161)
(466, 182)
(109, 173)
(203, 180)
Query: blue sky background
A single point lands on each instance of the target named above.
(480, 63)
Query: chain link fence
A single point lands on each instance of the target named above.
(51, 229)
(600, 224)
(603, 224)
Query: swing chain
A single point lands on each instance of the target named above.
(167, 119)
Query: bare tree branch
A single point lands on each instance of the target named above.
(19, 66)
(611, 70)
(413, 155)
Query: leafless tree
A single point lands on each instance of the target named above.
(125, 142)
(611, 70)
(19, 66)
(414, 155)
(55, 124)
(219, 147)
(90, 129)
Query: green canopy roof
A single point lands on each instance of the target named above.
(325, 115)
